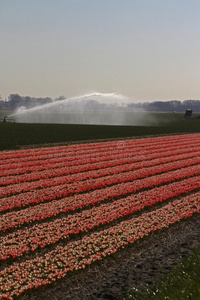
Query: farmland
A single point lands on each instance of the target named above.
(15, 136)
(68, 208)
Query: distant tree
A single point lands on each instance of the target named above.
(60, 98)
(2, 103)
(28, 102)
(15, 101)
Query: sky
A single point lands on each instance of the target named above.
(148, 50)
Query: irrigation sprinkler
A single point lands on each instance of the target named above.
(7, 120)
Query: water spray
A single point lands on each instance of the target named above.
(72, 99)
(90, 109)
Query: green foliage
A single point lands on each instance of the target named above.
(183, 282)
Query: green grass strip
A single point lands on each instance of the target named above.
(183, 282)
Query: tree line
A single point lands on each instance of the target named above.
(16, 101)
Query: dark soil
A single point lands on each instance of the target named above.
(139, 266)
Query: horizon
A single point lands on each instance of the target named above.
(91, 97)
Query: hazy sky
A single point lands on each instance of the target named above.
(145, 49)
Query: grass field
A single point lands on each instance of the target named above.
(181, 283)
(13, 136)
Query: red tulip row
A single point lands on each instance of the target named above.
(94, 162)
(112, 166)
(41, 235)
(69, 153)
(64, 205)
(43, 270)
(122, 171)
(78, 158)
(18, 155)
(59, 187)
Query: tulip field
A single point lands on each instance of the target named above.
(65, 208)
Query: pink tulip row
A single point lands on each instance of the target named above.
(41, 235)
(59, 187)
(110, 166)
(57, 151)
(45, 269)
(46, 210)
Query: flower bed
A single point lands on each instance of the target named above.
(65, 210)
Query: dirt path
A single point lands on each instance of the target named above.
(138, 266)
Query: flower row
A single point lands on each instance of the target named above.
(80, 157)
(46, 210)
(43, 270)
(70, 154)
(56, 151)
(109, 167)
(101, 176)
(41, 235)
(59, 187)
(30, 166)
